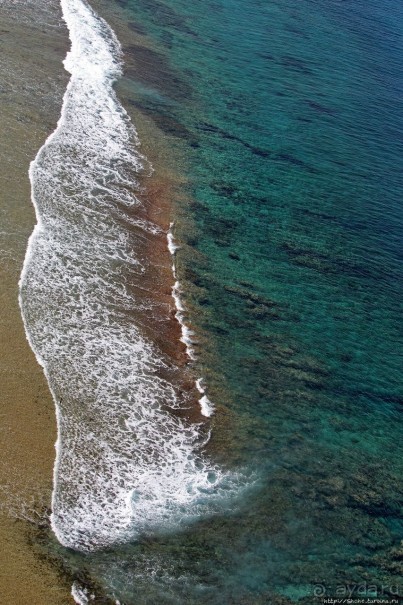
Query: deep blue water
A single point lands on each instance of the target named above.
(290, 116)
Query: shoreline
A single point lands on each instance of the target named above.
(141, 311)
(42, 581)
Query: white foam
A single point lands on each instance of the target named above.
(207, 408)
(80, 594)
(124, 464)
(172, 245)
(188, 336)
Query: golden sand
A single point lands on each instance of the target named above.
(32, 84)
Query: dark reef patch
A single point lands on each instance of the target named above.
(153, 69)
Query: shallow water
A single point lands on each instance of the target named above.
(290, 118)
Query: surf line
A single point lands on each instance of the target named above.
(75, 13)
(206, 406)
(124, 465)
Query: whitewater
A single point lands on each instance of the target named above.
(126, 463)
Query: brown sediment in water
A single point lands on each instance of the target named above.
(160, 193)
(160, 324)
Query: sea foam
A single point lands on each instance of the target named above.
(188, 335)
(125, 464)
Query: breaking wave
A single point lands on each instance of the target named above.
(125, 464)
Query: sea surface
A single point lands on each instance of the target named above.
(286, 237)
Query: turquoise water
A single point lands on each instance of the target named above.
(290, 116)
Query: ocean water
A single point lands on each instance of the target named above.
(289, 117)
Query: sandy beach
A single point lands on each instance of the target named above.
(32, 85)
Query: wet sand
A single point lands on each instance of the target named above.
(32, 84)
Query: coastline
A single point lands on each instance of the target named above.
(331, 473)
(33, 454)
(139, 375)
